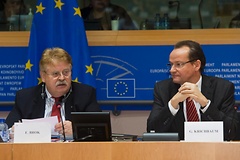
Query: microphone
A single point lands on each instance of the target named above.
(172, 3)
(217, 23)
(59, 106)
(199, 13)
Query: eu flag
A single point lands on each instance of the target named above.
(58, 23)
(120, 88)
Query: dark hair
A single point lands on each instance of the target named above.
(195, 51)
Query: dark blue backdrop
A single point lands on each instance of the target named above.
(125, 72)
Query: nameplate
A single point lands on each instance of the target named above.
(203, 131)
(32, 132)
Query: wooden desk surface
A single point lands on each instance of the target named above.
(5, 151)
(126, 151)
(139, 38)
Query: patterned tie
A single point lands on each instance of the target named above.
(191, 111)
(56, 109)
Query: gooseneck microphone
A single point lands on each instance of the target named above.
(173, 3)
(59, 106)
(199, 13)
(62, 100)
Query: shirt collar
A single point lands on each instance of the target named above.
(199, 83)
(47, 93)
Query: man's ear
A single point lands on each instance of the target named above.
(42, 75)
(197, 64)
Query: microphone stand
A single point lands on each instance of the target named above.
(199, 13)
(171, 4)
(63, 100)
(59, 107)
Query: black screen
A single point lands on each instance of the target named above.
(92, 25)
(91, 126)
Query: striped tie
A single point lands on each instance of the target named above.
(191, 111)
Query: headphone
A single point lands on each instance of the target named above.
(63, 98)
(43, 92)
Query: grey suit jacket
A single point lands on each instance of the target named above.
(219, 91)
(30, 104)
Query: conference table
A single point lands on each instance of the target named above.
(129, 150)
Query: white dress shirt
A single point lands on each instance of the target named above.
(198, 106)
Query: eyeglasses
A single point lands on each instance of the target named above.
(57, 74)
(179, 65)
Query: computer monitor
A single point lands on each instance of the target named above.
(92, 25)
(160, 137)
(180, 23)
(91, 126)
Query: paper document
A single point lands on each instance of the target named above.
(51, 120)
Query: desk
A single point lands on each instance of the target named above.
(63, 151)
(123, 151)
(5, 151)
(139, 37)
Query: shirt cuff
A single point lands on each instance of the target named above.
(203, 109)
(172, 109)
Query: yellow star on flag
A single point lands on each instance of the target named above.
(40, 8)
(28, 65)
(89, 69)
(59, 4)
(39, 80)
(77, 11)
(75, 80)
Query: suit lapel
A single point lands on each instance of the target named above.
(174, 90)
(68, 107)
(207, 89)
(38, 107)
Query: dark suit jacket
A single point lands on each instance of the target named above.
(29, 103)
(219, 91)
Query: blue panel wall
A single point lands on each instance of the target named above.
(124, 72)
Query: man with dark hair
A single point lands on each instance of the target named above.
(104, 11)
(212, 97)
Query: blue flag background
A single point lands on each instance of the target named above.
(58, 23)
